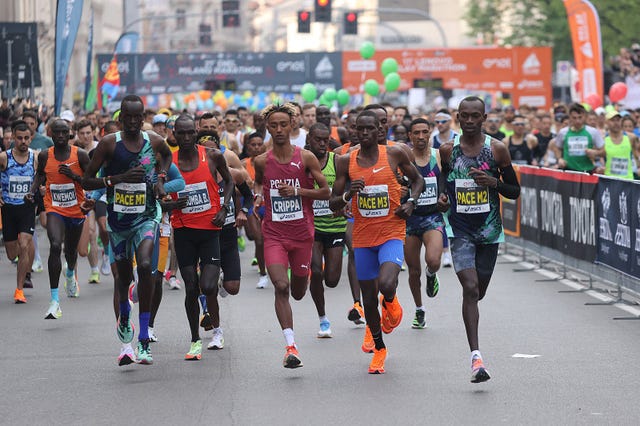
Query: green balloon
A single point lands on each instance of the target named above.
(392, 82)
(330, 94)
(343, 97)
(309, 92)
(371, 87)
(367, 50)
(388, 66)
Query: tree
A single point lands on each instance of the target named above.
(484, 18)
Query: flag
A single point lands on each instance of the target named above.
(584, 25)
(88, 79)
(68, 15)
(111, 82)
(91, 98)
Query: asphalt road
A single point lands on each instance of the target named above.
(64, 371)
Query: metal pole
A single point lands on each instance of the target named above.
(9, 70)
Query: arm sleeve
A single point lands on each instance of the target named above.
(175, 181)
(509, 186)
(247, 195)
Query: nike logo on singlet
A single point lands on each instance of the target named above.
(377, 170)
(337, 241)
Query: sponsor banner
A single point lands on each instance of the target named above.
(23, 39)
(617, 220)
(584, 25)
(558, 210)
(510, 210)
(635, 233)
(68, 15)
(155, 74)
(524, 72)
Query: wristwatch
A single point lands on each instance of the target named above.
(245, 210)
(412, 201)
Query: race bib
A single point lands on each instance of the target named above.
(471, 198)
(373, 201)
(197, 197)
(19, 186)
(577, 145)
(165, 226)
(284, 209)
(321, 208)
(619, 166)
(231, 215)
(130, 197)
(63, 195)
(429, 196)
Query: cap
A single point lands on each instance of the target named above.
(165, 111)
(600, 111)
(159, 119)
(68, 115)
(171, 121)
(443, 116)
(612, 114)
(116, 115)
(635, 46)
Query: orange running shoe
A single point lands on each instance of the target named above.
(391, 314)
(479, 373)
(18, 296)
(292, 358)
(367, 343)
(377, 363)
(356, 314)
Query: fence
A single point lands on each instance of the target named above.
(579, 224)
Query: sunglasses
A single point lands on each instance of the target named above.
(493, 120)
(441, 121)
(519, 124)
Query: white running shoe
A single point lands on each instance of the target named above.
(325, 330)
(217, 341)
(54, 311)
(263, 282)
(446, 259)
(174, 284)
(105, 268)
(152, 335)
(222, 292)
(127, 356)
(71, 286)
(36, 266)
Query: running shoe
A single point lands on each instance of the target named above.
(222, 292)
(292, 358)
(105, 267)
(195, 352)
(125, 330)
(37, 266)
(418, 320)
(217, 341)
(94, 278)
(54, 311)
(391, 314)
(368, 345)
(174, 283)
(71, 286)
(254, 261)
(152, 335)
(433, 285)
(263, 282)
(127, 356)
(377, 362)
(133, 292)
(479, 374)
(144, 353)
(27, 281)
(14, 262)
(325, 330)
(167, 275)
(205, 321)
(447, 262)
(18, 296)
(356, 314)
(242, 243)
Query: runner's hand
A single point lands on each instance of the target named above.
(286, 190)
(443, 203)
(27, 198)
(135, 175)
(356, 186)
(158, 189)
(241, 219)
(65, 170)
(87, 205)
(482, 178)
(220, 217)
(168, 204)
(405, 210)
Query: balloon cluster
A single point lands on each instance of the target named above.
(309, 93)
(389, 69)
(617, 93)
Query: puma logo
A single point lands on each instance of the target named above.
(377, 170)
(297, 165)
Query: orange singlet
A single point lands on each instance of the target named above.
(373, 209)
(345, 148)
(248, 165)
(63, 195)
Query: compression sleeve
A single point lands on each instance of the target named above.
(247, 195)
(509, 187)
(175, 181)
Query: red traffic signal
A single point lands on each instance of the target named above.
(351, 23)
(304, 21)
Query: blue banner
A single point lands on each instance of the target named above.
(87, 80)
(68, 15)
(127, 43)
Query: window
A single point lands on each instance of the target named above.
(181, 20)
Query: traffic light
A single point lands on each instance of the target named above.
(230, 13)
(351, 23)
(323, 10)
(205, 35)
(304, 21)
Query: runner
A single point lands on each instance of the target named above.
(286, 174)
(475, 169)
(379, 226)
(618, 149)
(61, 166)
(425, 226)
(326, 258)
(18, 166)
(577, 146)
(135, 165)
(197, 224)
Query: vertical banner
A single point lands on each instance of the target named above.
(615, 217)
(529, 205)
(68, 15)
(88, 79)
(127, 43)
(510, 210)
(635, 226)
(584, 25)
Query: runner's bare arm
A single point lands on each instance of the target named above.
(258, 164)
(404, 163)
(233, 161)
(163, 162)
(338, 196)
(101, 155)
(3, 161)
(218, 165)
(444, 153)
(312, 164)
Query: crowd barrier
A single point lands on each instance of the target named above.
(579, 224)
